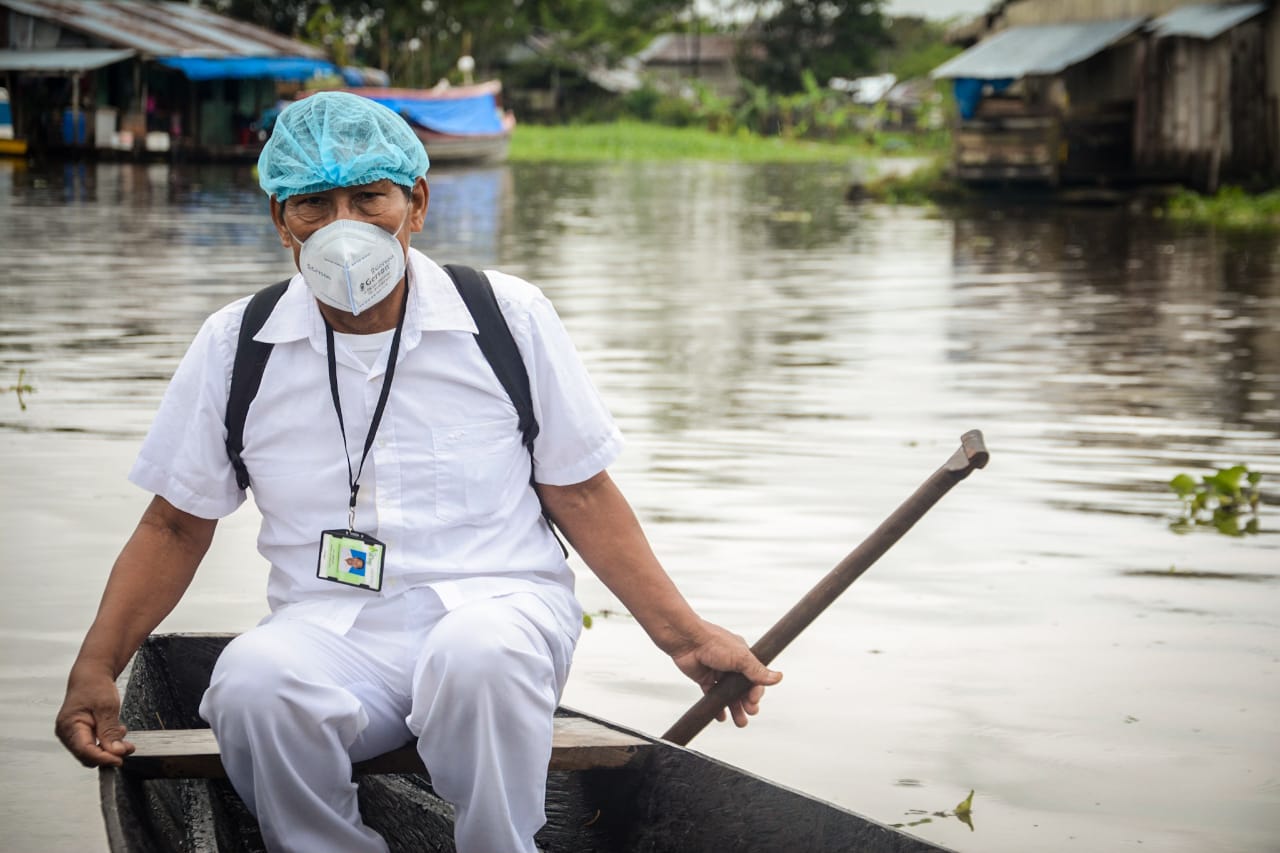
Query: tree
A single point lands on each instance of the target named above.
(419, 42)
(286, 17)
(916, 47)
(829, 38)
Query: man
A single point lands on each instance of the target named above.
(380, 430)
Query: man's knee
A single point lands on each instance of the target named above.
(263, 674)
(245, 679)
(474, 654)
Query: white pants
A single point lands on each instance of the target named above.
(294, 704)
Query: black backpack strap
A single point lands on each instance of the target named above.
(246, 372)
(500, 350)
(497, 344)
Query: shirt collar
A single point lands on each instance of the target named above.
(434, 301)
(434, 306)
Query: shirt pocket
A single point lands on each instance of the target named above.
(478, 469)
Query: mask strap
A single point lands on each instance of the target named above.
(292, 236)
(404, 220)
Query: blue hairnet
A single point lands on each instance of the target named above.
(337, 139)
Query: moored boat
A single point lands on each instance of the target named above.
(9, 145)
(457, 124)
(609, 788)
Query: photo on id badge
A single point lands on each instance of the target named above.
(351, 558)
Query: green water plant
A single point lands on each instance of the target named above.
(963, 812)
(1226, 501)
(21, 388)
(588, 619)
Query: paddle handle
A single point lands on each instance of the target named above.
(971, 454)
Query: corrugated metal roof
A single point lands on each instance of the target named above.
(162, 28)
(1205, 21)
(61, 61)
(685, 48)
(1029, 51)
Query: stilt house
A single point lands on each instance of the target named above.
(137, 78)
(1114, 92)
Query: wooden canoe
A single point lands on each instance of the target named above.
(609, 789)
(471, 148)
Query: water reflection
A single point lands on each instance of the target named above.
(1124, 317)
(473, 204)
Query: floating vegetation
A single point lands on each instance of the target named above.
(1219, 501)
(588, 619)
(962, 812)
(928, 184)
(21, 388)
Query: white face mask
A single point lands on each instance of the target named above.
(352, 265)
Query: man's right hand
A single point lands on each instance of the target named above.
(148, 578)
(88, 723)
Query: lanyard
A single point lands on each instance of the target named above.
(354, 479)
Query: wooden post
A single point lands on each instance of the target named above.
(1221, 115)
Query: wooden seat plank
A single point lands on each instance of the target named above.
(578, 744)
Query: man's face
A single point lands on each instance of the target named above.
(380, 203)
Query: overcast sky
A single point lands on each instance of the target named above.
(940, 9)
(937, 8)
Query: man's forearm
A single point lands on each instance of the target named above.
(600, 525)
(149, 577)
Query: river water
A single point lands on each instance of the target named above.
(787, 368)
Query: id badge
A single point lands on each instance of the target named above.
(351, 558)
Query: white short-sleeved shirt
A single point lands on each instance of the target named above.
(446, 483)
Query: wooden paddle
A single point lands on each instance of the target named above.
(971, 454)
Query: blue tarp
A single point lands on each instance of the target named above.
(968, 92)
(248, 67)
(476, 115)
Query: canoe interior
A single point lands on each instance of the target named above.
(673, 799)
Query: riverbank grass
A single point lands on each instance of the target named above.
(1230, 207)
(637, 141)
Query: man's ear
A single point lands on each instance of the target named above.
(419, 200)
(277, 219)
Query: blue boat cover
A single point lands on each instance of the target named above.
(473, 116)
(248, 67)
